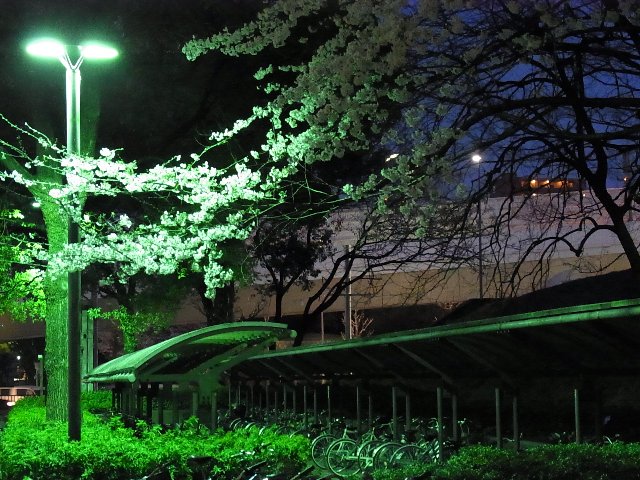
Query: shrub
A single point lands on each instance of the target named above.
(97, 401)
(617, 461)
(34, 448)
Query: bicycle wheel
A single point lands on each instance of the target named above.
(365, 454)
(431, 451)
(342, 459)
(235, 423)
(319, 447)
(382, 455)
(407, 455)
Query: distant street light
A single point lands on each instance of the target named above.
(50, 48)
(477, 159)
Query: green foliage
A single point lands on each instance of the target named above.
(416, 470)
(34, 448)
(617, 461)
(132, 324)
(21, 290)
(98, 401)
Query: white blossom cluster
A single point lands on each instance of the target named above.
(202, 207)
(209, 206)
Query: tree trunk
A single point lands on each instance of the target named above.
(301, 328)
(277, 317)
(223, 303)
(207, 304)
(55, 287)
(617, 216)
(628, 243)
(300, 331)
(220, 309)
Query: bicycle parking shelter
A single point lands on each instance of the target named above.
(190, 364)
(577, 346)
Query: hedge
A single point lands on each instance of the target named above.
(616, 461)
(32, 448)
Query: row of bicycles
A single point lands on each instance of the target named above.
(348, 453)
(340, 448)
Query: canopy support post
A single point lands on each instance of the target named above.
(161, 392)
(407, 411)
(266, 400)
(329, 407)
(294, 400)
(174, 406)
(439, 405)
(315, 405)
(498, 394)
(394, 411)
(516, 422)
(358, 412)
(455, 428)
(214, 411)
(305, 416)
(576, 412)
(194, 403)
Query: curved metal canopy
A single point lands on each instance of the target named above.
(596, 339)
(187, 356)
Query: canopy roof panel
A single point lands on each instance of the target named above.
(595, 339)
(211, 348)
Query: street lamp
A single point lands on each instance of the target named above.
(477, 159)
(50, 48)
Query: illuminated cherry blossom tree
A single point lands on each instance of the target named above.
(201, 208)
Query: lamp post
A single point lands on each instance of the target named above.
(49, 48)
(477, 159)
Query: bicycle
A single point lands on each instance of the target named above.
(321, 443)
(379, 435)
(422, 451)
(342, 457)
(384, 455)
(346, 456)
(426, 448)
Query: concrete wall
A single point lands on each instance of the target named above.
(414, 285)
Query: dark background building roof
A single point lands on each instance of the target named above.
(619, 285)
